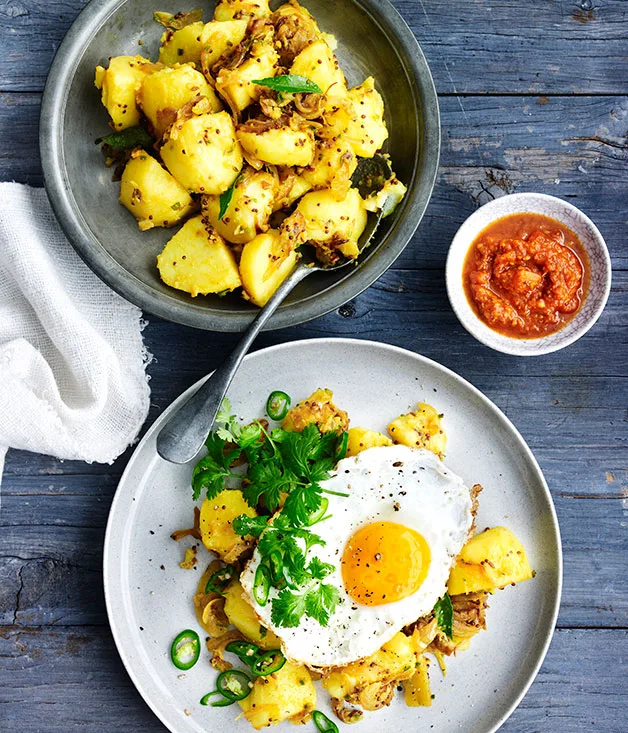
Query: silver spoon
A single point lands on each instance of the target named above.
(183, 435)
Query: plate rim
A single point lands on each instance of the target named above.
(115, 626)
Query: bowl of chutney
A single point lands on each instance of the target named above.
(528, 274)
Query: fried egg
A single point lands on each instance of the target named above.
(392, 542)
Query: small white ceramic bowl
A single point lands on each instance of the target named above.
(570, 216)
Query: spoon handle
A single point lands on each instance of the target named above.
(182, 436)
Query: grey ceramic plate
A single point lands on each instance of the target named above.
(373, 40)
(148, 605)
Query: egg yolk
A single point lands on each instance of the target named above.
(384, 562)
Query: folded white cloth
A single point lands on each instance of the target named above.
(72, 361)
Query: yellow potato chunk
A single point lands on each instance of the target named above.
(202, 153)
(279, 145)
(416, 690)
(333, 165)
(241, 614)
(362, 439)
(197, 260)
(236, 85)
(331, 224)
(151, 194)
(163, 93)
(286, 197)
(284, 695)
(420, 429)
(249, 209)
(230, 9)
(261, 270)
(319, 409)
(218, 38)
(394, 661)
(182, 46)
(318, 63)
(216, 524)
(492, 559)
(118, 85)
(359, 119)
(387, 198)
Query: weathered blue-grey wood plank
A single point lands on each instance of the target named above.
(573, 147)
(70, 680)
(51, 575)
(474, 46)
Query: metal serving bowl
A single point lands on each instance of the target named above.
(373, 40)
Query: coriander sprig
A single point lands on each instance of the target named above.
(286, 468)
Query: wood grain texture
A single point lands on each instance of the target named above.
(92, 693)
(473, 46)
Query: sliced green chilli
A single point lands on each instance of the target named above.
(244, 650)
(323, 723)
(261, 585)
(277, 405)
(218, 581)
(222, 703)
(319, 513)
(268, 662)
(205, 699)
(185, 649)
(341, 448)
(234, 684)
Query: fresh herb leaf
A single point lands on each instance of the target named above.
(302, 502)
(371, 175)
(444, 612)
(178, 21)
(253, 526)
(288, 609)
(225, 199)
(320, 602)
(289, 84)
(132, 137)
(318, 569)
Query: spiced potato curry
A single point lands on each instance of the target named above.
(249, 119)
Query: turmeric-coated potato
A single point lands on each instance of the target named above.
(333, 165)
(151, 194)
(197, 261)
(492, 559)
(241, 614)
(249, 209)
(118, 84)
(420, 429)
(362, 439)
(416, 690)
(181, 46)
(359, 119)
(319, 409)
(284, 695)
(164, 92)
(394, 661)
(220, 37)
(236, 85)
(318, 63)
(278, 145)
(262, 270)
(216, 524)
(230, 9)
(332, 224)
(202, 153)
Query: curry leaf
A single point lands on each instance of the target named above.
(444, 612)
(178, 21)
(132, 137)
(289, 84)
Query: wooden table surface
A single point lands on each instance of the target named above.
(534, 97)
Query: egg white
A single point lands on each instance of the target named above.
(394, 484)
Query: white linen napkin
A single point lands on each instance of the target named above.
(72, 361)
